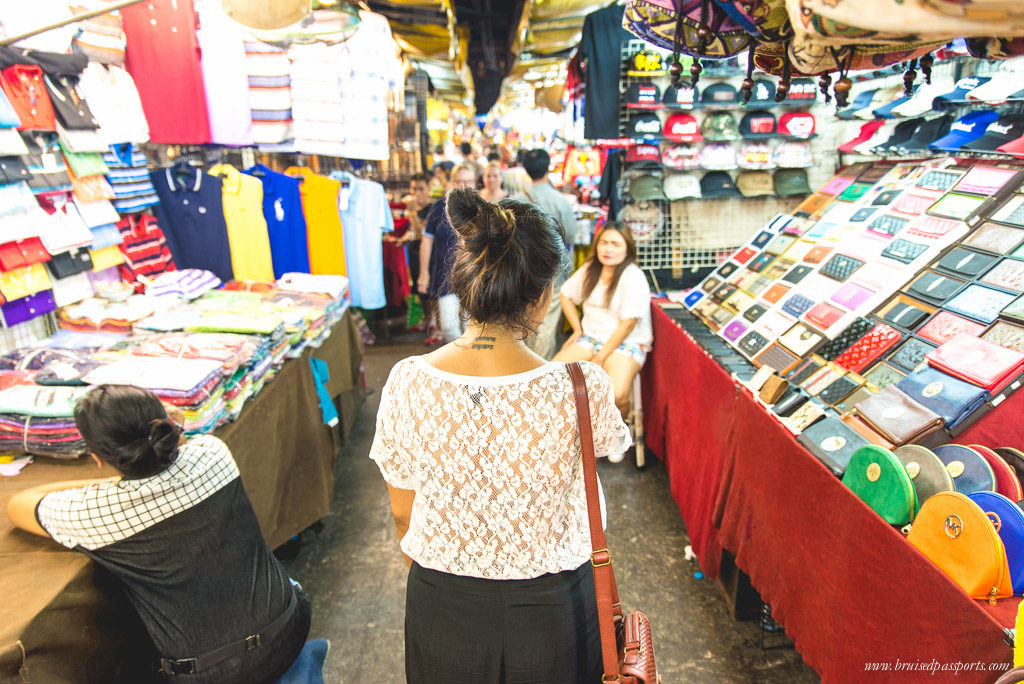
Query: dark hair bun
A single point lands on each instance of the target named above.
(478, 222)
(163, 440)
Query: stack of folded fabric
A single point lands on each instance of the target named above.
(229, 349)
(52, 365)
(40, 420)
(103, 315)
(187, 283)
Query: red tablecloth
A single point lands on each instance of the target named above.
(848, 588)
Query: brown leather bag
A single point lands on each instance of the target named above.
(627, 648)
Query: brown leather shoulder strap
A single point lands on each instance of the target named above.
(600, 558)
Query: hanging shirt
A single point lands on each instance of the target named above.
(319, 122)
(191, 213)
(163, 58)
(286, 225)
(323, 222)
(247, 229)
(129, 177)
(599, 46)
(442, 255)
(270, 96)
(144, 248)
(224, 75)
(115, 103)
(366, 214)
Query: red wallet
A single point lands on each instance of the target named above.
(977, 361)
(823, 316)
(869, 348)
(944, 326)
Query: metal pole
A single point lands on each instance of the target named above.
(78, 17)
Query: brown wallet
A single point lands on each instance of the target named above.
(897, 417)
(773, 389)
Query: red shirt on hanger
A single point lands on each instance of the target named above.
(163, 58)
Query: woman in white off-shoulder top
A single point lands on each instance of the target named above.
(477, 442)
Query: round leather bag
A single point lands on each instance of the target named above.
(1015, 459)
(970, 472)
(1009, 523)
(880, 480)
(927, 473)
(1007, 483)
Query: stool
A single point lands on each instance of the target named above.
(636, 422)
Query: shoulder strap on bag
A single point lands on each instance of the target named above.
(608, 608)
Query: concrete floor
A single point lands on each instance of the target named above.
(355, 574)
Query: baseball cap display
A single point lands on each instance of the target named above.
(882, 96)
(683, 157)
(682, 186)
(756, 155)
(1004, 83)
(646, 125)
(682, 128)
(921, 102)
(643, 154)
(645, 63)
(646, 187)
(883, 133)
(797, 125)
(643, 96)
(755, 184)
(901, 134)
(1016, 148)
(793, 155)
(718, 156)
(959, 92)
(719, 127)
(802, 91)
(759, 123)
(644, 220)
(680, 98)
(966, 129)
(789, 182)
(762, 94)
(886, 110)
(718, 184)
(931, 129)
(862, 100)
(719, 95)
(1005, 130)
(866, 132)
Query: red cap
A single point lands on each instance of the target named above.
(643, 153)
(866, 131)
(1014, 147)
(682, 128)
(796, 124)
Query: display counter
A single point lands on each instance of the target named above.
(853, 595)
(61, 619)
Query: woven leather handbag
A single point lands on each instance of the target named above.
(627, 648)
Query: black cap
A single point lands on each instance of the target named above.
(802, 91)
(681, 98)
(757, 125)
(1002, 131)
(719, 95)
(718, 184)
(763, 93)
(646, 125)
(927, 133)
(902, 133)
(643, 96)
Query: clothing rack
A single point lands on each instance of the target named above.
(64, 22)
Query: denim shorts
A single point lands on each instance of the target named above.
(635, 351)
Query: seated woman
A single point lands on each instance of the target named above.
(616, 328)
(178, 532)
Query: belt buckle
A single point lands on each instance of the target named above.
(177, 667)
(252, 642)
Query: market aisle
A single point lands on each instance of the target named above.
(355, 574)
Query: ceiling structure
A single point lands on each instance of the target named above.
(470, 47)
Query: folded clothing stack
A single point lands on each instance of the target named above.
(953, 399)
(103, 315)
(40, 420)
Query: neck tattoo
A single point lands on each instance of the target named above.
(483, 343)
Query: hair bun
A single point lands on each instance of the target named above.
(163, 439)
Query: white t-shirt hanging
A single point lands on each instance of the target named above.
(114, 102)
(225, 75)
(631, 299)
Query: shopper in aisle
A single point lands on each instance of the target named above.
(440, 179)
(437, 254)
(542, 194)
(417, 206)
(470, 156)
(616, 329)
(494, 183)
(178, 532)
(499, 565)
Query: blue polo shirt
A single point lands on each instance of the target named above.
(191, 214)
(286, 225)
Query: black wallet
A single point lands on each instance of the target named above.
(832, 442)
(934, 287)
(838, 390)
(844, 340)
(904, 251)
(906, 316)
(793, 399)
(797, 273)
(965, 263)
(910, 354)
(840, 267)
(888, 225)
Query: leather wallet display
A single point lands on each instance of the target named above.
(898, 417)
(953, 399)
(734, 331)
(869, 348)
(739, 301)
(762, 239)
(824, 316)
(995, 238)
(939, 179)
(944, 326)
(779, 245)
(956, 205)
(1007, 274)
(904, 312)
(760, 378)
(840, 267)
(778, 358)
(863, 214)
(824, 377)
(744, 255)
(840, 389)
(754, 312)
(797, 304)
(805, 369)
(711, 284)
(759, 285)
(968, 469)
(885, 198)
(888, 225)
(753, 342)
(760, 262)
(934, 287)
(799, 249)
(854, 192)
(1006, 335)
(882, 375)
(852, 295)
(965, 263)
(719, 317)
(915, 202)
(790, 402)
(726, 269)
(773, 389)
(804, 417)
(774, 323)
(857, 424)
(776, 292)
(904, 251)
(845, 339)
(909, 355)
(933, 227)
(858, 395)
(1011, 211)
(978, 361)
(985, 180)
(778, 268)
(980, 303)
(800, 339)
(797, 273)
(817, 254)
(832, 442)
(1014, 310)
(723, 292)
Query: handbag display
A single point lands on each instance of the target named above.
(927, 473)
(970, 472)
(1013, 458)
(1007, 483)
(832, 442)
(979, 362)
(954, 533)
(627, 647)
(1009, 523)
(951, 398)
(897, 417)
(880, 480)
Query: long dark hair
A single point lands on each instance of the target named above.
(128, 428)
(509, 253)
(592, 267)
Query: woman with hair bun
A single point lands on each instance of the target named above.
(477, 442)
(178, 532)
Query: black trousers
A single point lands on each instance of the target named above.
(465, 629)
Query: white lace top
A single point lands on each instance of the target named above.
(495, 464)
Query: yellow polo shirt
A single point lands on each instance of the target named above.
(323, 221)
(242, 198)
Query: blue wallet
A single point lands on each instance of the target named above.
(950, 397)
(970, 471)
